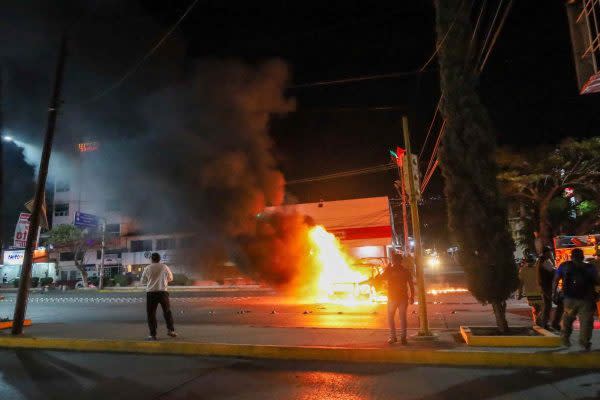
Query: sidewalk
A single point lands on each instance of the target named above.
(331, 344)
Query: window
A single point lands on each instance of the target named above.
(113, 205)
(62, 186)
(61, 210)
(165, 244)
(186, 242)
(113, 228)
(67, 256)
(141, 245)
(115, 252)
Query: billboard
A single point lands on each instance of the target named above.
(22, 230)
(15, 257)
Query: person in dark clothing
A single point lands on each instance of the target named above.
(401, 293)
(546, 269)
(578, 280)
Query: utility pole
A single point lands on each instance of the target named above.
(21, 304)
(101, 278)
(404, 214)
(2, 238)
(416, 226)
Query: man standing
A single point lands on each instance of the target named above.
(529, 286)
(401, 293)
(156, 277)
(578, 280)
(546, 269)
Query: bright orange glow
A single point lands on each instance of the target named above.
(338, 279)
(446, 291)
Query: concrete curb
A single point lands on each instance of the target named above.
(337, 354)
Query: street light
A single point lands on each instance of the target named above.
(7, 138)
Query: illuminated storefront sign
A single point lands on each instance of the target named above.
(88, 147)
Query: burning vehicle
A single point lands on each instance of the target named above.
(340, 277)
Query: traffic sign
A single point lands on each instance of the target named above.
(83, 220)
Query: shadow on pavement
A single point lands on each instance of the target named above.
(50, 377)
(492, 386)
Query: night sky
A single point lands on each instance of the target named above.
(529, 84)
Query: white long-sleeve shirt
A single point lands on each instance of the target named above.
(156, 277)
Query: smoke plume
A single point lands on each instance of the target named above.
(184, 144)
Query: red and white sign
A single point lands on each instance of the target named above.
(367, 232)
(22, 230)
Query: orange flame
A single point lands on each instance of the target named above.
(337, 278)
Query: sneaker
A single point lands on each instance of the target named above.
(403, 341)
(392, 340)
(151, 338)
(565, 341)
(172, 333)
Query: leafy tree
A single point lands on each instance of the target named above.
(76, 241)
(477, 216)
(537, 179)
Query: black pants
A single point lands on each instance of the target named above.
(153, 299)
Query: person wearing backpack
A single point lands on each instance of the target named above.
(578, 281)
(546, 269)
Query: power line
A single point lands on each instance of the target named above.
(439, 46)
(355, 79)
(432, 166)
(496, 34)
(437, 109)
(345, 174)
(141, 61)
(487, 36)
(388, 75)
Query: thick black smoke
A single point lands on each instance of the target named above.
(185, 143)
(205, 163)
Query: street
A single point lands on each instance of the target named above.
(446, 311)
(270, 319)
(58, 375)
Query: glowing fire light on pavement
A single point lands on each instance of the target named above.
(447, 290)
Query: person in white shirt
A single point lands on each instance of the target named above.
(156, 277)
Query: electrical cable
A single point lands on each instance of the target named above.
(437, 109)
(431, 167)
(388, 75)
(487, 36)
(496, 34)
(141, 61)
(344, 174)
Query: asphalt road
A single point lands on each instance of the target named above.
(251, 308)
(61, 375)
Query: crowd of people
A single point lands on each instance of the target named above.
(560, 294)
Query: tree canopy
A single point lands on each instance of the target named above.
(76, 241)
(558, 187)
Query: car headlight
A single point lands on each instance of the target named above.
(433, 262)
